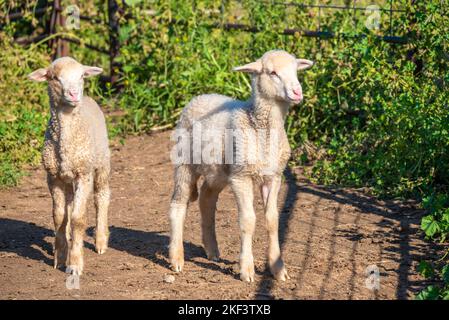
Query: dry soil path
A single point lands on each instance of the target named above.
(329, 237)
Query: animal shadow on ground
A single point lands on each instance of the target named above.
(154, 247)
(25, 239)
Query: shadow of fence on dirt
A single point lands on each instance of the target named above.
(330, 260)
(400, 245)
(25, 239)
(398, 222)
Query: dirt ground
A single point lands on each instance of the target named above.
(329, 238)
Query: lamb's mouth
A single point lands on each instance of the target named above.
(295, 101)
(71, 103)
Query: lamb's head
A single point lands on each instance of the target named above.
(275, 75)
(65, 78)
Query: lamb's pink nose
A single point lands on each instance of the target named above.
(73, 95)
(298, 93)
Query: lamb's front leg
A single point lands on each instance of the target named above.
(57, 189)
(184, 183)
(270, 191)
(243, 190)
(83, 187)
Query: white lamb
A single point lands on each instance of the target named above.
(76, 157)
(275, 87)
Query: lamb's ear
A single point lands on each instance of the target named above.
(91, 71)
(304, 64)
(38, 75)
(253, 67)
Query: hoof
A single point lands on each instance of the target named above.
(279, 271)
(213, 255)
(247, 272)
(74, 270)
(177, 264)
(101, 248)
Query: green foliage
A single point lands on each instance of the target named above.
(24, 110)
(165, 68)
(434, 292)
(436, 227)
(436, 223)
(398, 141)
(426, 269)
(430, 293)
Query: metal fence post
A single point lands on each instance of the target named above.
(114, 42)
(59, 46)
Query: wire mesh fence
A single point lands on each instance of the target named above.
(360, 18)
(366, 16)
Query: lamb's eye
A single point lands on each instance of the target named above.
(273, 73)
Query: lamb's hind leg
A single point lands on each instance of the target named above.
(184, 181)
(102, 197)
(243, 190)
(83, 187)
(208, 204)
(57, 190)
(270, 191)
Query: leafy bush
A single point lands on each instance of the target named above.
(436, 224)
(434, 292)
(436, 227)
(24, 110)
(398, 143)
